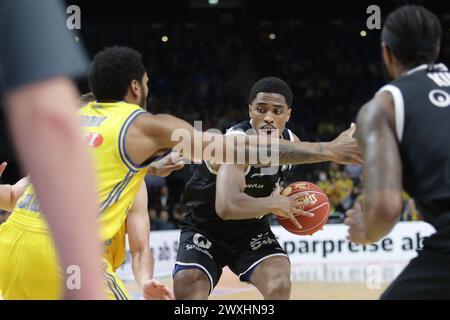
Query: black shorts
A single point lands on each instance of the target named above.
(210, 254)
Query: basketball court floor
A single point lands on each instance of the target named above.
(337, 281)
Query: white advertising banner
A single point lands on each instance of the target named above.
(326, 246)
(331, 244)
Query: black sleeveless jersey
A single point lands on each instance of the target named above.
(200, 193)
(422, 121)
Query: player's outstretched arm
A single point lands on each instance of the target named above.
(142, 261)
(343, 150)
(151, 133)
(9, 194)
(232, 203)
(382, 172)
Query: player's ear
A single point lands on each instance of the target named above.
(250, 110)
(135, 87)
(288, 114)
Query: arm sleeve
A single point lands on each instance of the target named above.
(35, 43)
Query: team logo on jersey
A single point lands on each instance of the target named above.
(260, 240)
(254, 186)
(258, 174)
(201, 241)
(93, 139)
(439, 98)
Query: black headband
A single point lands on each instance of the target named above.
(420, 45)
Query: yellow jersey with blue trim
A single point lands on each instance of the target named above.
(118, 179)
(115, 248)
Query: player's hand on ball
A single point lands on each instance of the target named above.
(345, 148)
(288, 207)
(165, 166)
(155, 290)
(357, 228)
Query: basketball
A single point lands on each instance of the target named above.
(313, 200)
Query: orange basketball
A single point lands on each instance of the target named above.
(314, 201)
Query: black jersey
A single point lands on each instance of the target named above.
(422, 121)
(200, 194)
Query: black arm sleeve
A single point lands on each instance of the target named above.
(35, 43)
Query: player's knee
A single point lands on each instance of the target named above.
(191, 284)
(278, 288)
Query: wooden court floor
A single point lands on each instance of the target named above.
(230, 288)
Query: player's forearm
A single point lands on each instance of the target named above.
(305, 152)
(378, 229)
(261, 150)
(382, 172)
(242, 206)
(381, 213)
(49, 142)
(142, 264)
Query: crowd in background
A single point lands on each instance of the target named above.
(205, 71)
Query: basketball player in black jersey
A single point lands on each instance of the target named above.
(226, 224)
(404, 133)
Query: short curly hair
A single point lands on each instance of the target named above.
(112, 71)
(412, 25)
(271, 85)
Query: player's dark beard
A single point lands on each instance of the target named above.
(143, 102)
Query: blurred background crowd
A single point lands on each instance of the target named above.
(202, 60)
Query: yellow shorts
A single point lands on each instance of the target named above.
(115, 288)
(29, 267)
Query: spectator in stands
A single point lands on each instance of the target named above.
(354, 172)
(326, 185)
(165, 199)
(164, 223)
(410, 212)
(344, 187)
(154, 185)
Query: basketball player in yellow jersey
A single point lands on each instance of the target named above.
(137, 226)
(124, 138)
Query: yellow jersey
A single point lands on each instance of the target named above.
(115, 248)
(118, 179)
